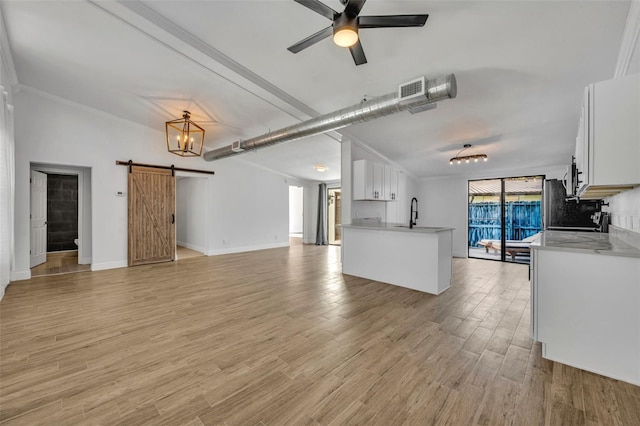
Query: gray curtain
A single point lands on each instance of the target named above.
(321, 230)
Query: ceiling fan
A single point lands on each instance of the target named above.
(347, 23)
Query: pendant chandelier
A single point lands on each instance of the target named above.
(184, 137)
(467, 158)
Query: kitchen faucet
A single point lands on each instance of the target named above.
(412, 220)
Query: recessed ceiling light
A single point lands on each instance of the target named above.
(320, 168)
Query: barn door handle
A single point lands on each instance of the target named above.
(173, 218)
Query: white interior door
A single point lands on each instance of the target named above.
(38, 218)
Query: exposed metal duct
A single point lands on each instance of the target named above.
(430, 91)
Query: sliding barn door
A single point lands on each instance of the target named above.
(152, 230)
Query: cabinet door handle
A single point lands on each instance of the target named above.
(173, 218)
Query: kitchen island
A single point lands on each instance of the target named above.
(418, 258)
(585, 301)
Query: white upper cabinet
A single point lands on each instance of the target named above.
(390, 183)
(608, 142)
(368, 180)
(374, 181)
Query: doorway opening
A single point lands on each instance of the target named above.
(191, 207)
(296, 211)
(60, 219)
(505, 216)
(334, 215)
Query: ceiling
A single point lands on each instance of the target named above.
(521, 69)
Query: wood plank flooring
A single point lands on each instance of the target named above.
(183, 253)
(59, 263)
(281, 337)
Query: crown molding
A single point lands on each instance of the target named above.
(5, 52)
(629, 39)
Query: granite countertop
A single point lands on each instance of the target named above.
(585, 242)
(397, 227)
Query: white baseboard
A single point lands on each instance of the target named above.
(84, 261)
(20, 275)
(308, 241)
(462, 255)
(191, 246)
(109, 265)
(2, 287)
(246, 248)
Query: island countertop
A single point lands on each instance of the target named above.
(585, 242)
(397, 227)
(393, 253)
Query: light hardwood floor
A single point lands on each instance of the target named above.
(281, 337)
(59, 263)
(183, 253)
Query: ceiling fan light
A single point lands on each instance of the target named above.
(345, 37)
(345, 31)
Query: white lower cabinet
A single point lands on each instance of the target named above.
(585, 309)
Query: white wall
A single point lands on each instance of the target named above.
(625, 209)
(296, 209)
(6, 160)
(443, 201)
(247, 207)
(191, 210)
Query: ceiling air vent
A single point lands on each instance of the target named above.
(412, 89)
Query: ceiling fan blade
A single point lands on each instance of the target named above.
(358, 54)
(311, 40)
(391, 21)
(354, 7)
(318, 7)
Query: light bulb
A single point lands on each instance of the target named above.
(345, 37)
(485, 158)
(475, 160)
(450, 162)
(467, 160)
(459, 161)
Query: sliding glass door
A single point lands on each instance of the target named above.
(485, 218)
(504, 216)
